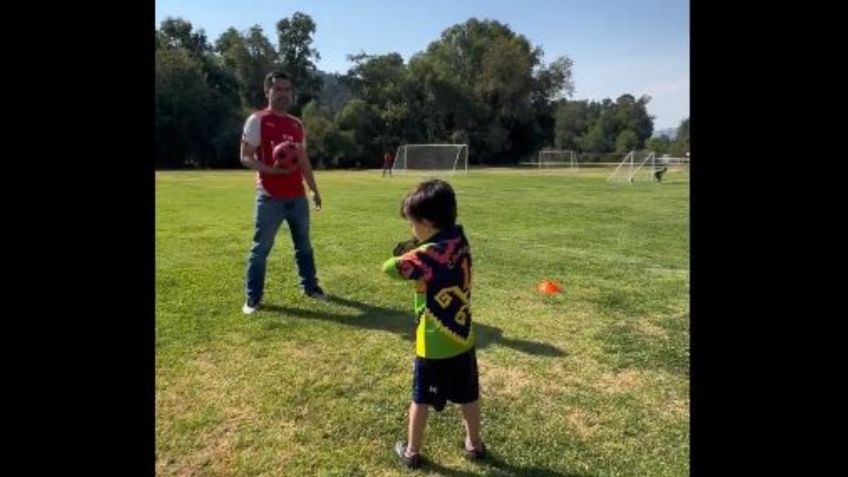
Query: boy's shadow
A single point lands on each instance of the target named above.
(500, 468)
(401, 322)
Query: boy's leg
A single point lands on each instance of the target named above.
(417, 423)
(471, 420)
(425, 393)
(465, 391)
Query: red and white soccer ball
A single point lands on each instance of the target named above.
(285, 154)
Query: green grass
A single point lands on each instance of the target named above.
(593, 382)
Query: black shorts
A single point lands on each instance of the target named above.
(454, 379)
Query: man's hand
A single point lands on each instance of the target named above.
(316, 198)
(277, 170)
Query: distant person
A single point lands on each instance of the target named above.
(388, 163)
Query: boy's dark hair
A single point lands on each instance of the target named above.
(433, 200)
(270, 77)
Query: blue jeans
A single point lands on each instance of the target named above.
(270, 213)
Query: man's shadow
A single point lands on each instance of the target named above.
(402, 323)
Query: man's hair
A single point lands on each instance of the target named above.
(433, 200)
(270, 77)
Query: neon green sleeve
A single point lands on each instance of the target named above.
(390, 267)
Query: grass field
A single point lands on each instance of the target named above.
(593, 382)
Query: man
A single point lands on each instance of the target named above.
(280, 191)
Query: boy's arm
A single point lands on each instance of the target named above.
(390, 267)
(408, 266)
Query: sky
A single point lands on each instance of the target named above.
(617, 46)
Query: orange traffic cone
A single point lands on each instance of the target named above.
(550, 287)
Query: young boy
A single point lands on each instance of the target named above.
(445, 366)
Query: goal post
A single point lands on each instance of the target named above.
(638, 167)
(624, 169)
(446, 158)
(549, 158)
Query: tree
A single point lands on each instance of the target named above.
(178, 33)
(659, 145)
(595, 140)
(328, 145)
(359, 122)
(621, 125)
(197, 102)
(482, 78)
(294, 40)
(632, 114)
(318, 125)
(553, 82)
(680, 146)
(334, 93)
(479, 83)
(627, 140)
(180, 94)
(394, 111)
(250, 57)
(571, 124)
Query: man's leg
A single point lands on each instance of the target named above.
(269, 216)
(298, 219)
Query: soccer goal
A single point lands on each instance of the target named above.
(558, 158)
(445, 158)
(638, 167)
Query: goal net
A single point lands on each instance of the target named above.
(638, 167)
(446, 158)
(557, 158)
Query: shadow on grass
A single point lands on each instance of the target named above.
(400, 322)
(492, 466)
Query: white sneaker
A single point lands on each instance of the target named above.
(249, 308)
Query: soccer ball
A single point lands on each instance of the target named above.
(285, 154)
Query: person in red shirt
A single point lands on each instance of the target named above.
(388, 163)
(280, 194)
